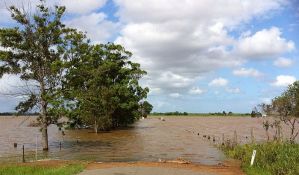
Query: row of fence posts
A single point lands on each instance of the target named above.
(235, 142)
(234, 138)
(36, 150)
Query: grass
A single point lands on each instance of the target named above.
(271, 158)
(41, 169)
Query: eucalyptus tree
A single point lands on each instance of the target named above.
(35, 50)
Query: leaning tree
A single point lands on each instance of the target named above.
(35, 50)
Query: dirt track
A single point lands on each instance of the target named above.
(157, 168)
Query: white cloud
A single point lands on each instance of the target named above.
(154, 90)
(196, 91)
(10, 84)
(200, 43)
(174, 59)
(218, 82)
(161, 10)
(264, 43)
(283, 62)
(82, 6)
(284, 80)
(170, 81)
(233, 90)
(5, 17)
(266, 100)
(5, 4)
(95, 24)
(247, 72)
(175, 95)
(79, 7)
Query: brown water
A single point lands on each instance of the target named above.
(147, 140)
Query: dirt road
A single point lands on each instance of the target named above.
(149, 168)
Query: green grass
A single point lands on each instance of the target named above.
(271, 158)
(68, 169)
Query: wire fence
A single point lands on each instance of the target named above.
(26, 153)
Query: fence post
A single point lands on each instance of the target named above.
(235, 138)
(60, 145)
(23, 160)
(252, 136)
(222, 138)
(36, 148)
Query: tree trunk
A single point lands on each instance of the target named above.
(45, 137)
(95, 126)
(44, 118)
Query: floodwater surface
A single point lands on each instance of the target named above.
(147, 140)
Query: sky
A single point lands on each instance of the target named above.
(200, 55)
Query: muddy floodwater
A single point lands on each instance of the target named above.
(147, 140)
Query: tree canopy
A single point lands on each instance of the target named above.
(145, 108)
(105, 87)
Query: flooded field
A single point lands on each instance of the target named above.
(147, 140)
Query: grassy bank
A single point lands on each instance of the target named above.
(42, 168)
(271, 158)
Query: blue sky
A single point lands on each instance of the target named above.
(200, 56)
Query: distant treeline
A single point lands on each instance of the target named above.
(177, 113)
(170, 113)
(14, 114)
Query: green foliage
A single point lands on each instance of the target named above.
(286, 108)
(271, 158)
(103, 83)
(145, 108)
(287, 105)
(69, 169)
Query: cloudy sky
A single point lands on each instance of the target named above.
(200, 55)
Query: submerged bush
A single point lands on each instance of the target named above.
(271, 158)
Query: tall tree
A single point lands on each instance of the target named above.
(36, 51)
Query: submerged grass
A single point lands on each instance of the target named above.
(25, 169)
(271, 158)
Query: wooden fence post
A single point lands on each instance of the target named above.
(23, 158)
(252, 136)
(235, 138)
